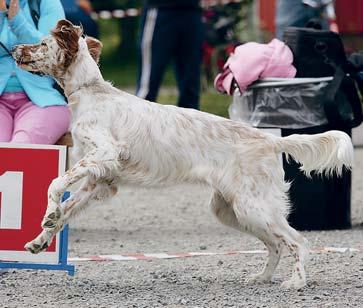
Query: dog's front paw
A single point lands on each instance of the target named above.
(293, 284)
(52, 220)
(36, 246)
(40, 243)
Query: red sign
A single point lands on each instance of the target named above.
(25, 175)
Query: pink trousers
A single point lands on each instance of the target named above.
(21, 121)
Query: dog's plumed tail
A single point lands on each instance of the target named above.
(325, 153)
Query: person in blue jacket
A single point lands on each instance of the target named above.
(31, 110)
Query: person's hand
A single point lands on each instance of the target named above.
(13, 8)
(3, 6)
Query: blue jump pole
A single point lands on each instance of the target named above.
(63, 255)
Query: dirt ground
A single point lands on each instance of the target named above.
(178, 219)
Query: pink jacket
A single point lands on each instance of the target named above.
(252, 61)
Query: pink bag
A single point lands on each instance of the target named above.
(252, 61)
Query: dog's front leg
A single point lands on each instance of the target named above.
(97, 164)
(56, 190)
(89, 192)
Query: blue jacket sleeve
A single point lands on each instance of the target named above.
(2, 17)
(24, 29)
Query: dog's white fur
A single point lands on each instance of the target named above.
(121, 139)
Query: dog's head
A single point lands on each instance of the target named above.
(55, 53)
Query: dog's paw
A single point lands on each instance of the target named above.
(36, 246)
(258, 278)
(40, 243)
(52, 220)
(294, 284)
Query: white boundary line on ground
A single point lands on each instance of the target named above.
(154, 256)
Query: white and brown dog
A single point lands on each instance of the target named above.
(121, 139)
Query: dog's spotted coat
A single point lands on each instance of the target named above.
(121, 139)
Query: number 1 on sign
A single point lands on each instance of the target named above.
(11, 192)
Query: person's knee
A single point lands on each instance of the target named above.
(5, 138)
(6, 125)
(22, 136)
(45, 126)
(35, 136)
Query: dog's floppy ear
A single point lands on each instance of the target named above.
(94, 47)
(64, 25)
(67, 35)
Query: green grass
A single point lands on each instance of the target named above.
(123, 73)
(120, 71)
(211, 102)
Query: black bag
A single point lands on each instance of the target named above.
(319, 202)
(319, 53)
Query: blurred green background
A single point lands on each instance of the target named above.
(118, 60)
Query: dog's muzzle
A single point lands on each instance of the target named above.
(23, 59)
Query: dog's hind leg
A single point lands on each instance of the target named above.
(264, 218)
(89, 192)
(255, 216)
(224, 211)
(299, 249)
(274, 253)
(226, 214)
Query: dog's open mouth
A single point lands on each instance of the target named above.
(26, 64)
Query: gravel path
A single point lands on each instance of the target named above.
(177, 219)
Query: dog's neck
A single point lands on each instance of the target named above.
(82, 73)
